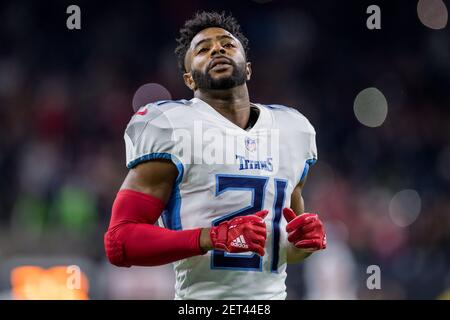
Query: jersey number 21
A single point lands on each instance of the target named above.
(257, 185)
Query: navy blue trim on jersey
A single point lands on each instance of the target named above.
(171, 215)
(308, 163)
(278, 204)
(278, 107)
(182, 101)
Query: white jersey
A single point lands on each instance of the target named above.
(224, 172)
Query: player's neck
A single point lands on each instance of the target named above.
(233, 104)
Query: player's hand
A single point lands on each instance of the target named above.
(241, 234)
(305, 231)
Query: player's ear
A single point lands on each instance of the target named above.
(189, 81)
(248, 70)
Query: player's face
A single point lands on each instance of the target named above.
(216, 60)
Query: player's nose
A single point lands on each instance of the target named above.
(217, 48)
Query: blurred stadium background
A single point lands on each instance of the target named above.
(382, 182)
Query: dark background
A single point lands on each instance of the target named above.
(65, 99)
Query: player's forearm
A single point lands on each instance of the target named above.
(133, 239)
(149, 245)
(296, 255)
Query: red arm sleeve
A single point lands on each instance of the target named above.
(133, 239)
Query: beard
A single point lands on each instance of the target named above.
(203, 80)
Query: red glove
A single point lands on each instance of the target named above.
(241, 234)
(305, 231)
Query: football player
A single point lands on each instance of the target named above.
(211, 178)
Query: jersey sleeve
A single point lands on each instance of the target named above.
(148, 136)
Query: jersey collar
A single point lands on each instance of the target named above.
(264, 119)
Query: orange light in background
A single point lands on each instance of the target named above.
(35, 283)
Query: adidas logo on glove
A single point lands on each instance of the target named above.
(239, 242)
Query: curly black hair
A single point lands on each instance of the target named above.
(203, 20)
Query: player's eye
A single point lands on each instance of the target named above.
(228, 45)
(202, 50)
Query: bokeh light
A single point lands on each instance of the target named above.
(432, 13)
(370, 107)
(36, 283)
(405, 207)
(149, 92)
